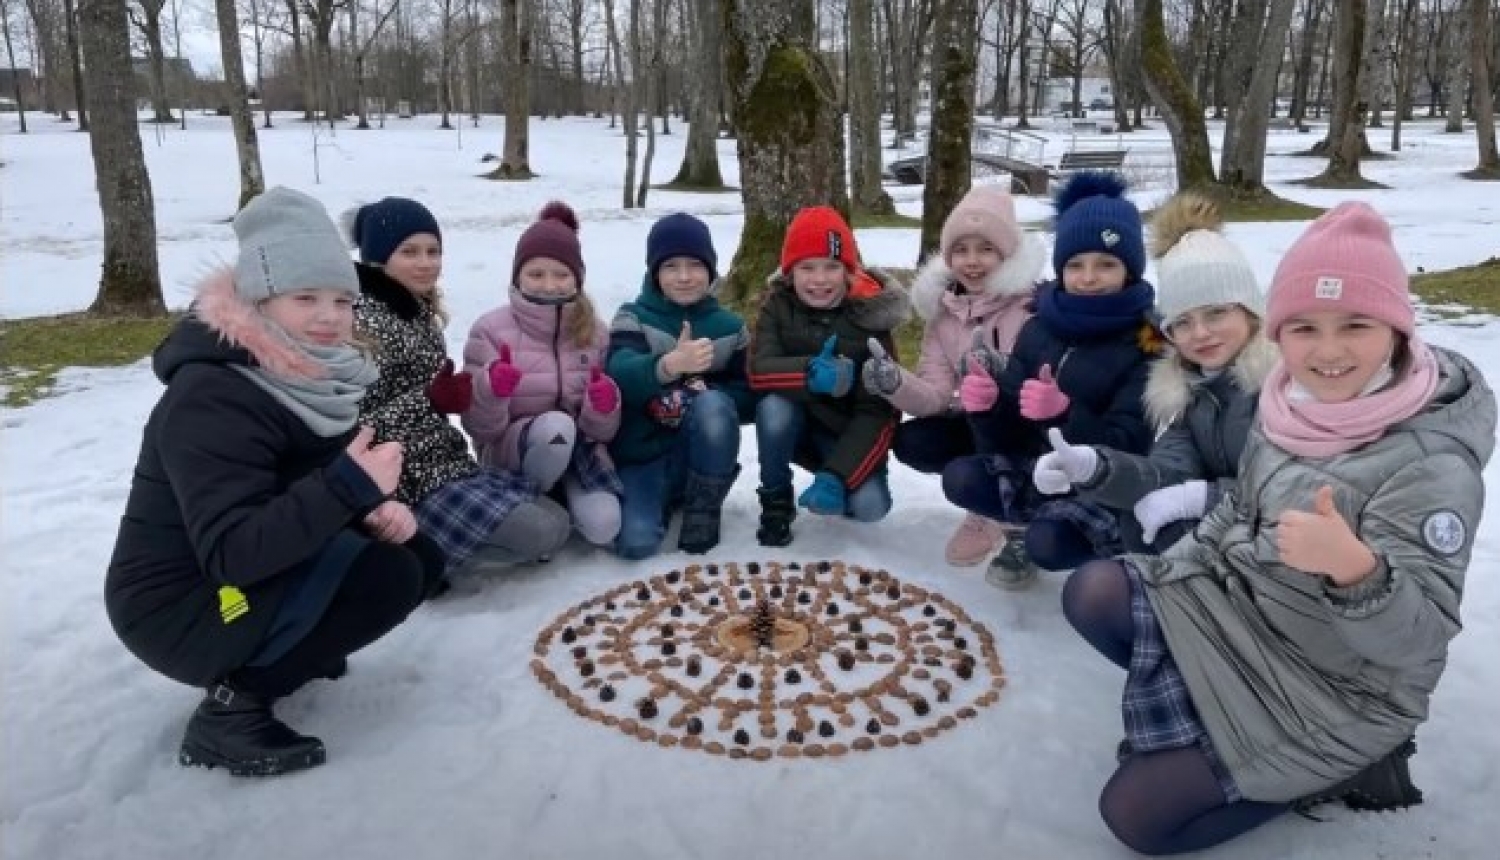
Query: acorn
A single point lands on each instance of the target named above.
(676, 610)
(667, 631)
(846, 661)
(873, 726)
(741, 737)
(960, 643)
(793, 676)
(855, 626)
(607, 693)
(776, 592)
(647, 708)
(745, 681)
(644, 594)
(694, 726)
(825, 729)
(580, 651)
(794, 737)
(929, 610)
(804, 597)
(668, 648)
(920, 707)
(753, 567)
(833, 609)
(673, 577)
(569, 635)
(745, 594)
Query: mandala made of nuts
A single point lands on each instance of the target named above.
(760, 660)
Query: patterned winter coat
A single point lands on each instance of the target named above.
(554, 371)
(787, 336)
(1300, 683)
(408, 341)
(952, 318)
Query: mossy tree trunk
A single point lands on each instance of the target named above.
(1255, 53)
(1172, 96)
(515, 36)
(949, 157)
(785, 109)
(700, 157)
(1484, 99)
(1348, 114)
(866, 193)
(130, 283)
(1457, 57)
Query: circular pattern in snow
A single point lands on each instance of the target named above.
(765, 659)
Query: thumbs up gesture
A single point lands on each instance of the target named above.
(690, 356)
(978, 391)
(1041, 399)
(603, 395)
(381, 462)
(504, 376)
(1057, 472)
(881, 374)
(981, 353)
(828, 373)
(451, 393)
(1320, 542)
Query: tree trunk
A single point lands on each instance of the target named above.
(785, 109)
(515, 45)
(151, 29)
(1175, 101)
(1460, 57)
(626, 92)
(575, 44)
(949, 141)
(1484, 96)
(1302, 72)
(650, 85)
(252, 179)
(1116, 56)
(130, 282)
(1244, 156)
(1406, 68)
(866, 193)
(700, 158)
(1348, 111)
(302, 61)
(15, 78)
(75, 59)
(445, 65)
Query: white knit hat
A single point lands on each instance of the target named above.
(1196, 266)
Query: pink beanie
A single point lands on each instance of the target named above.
(986, 212)
(1344, 262)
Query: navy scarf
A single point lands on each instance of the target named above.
(1083, 317)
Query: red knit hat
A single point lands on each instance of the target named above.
(554, 236)
(1345, 261)
(821, 233)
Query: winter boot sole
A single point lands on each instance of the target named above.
(192, 755)
(1382, 787)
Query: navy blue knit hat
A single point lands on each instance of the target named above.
(681, 235)
(379, 228)
(1093, 215)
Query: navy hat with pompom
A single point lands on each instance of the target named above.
(378, 229)
(1093, 215)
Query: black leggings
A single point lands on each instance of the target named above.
(1157, 803)
(384, 584)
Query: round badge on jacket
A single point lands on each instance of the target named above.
(1444, 533)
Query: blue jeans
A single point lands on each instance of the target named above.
(781, 431)
(708, 443)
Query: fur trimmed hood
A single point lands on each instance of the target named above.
(1017, 275)
(1170, 387)
(223, 328)
(883, 311)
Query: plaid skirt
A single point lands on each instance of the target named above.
(1021, 502)
(1156, 706)
(461, 514)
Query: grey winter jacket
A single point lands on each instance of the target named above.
(1203, 424)
(1299, 683)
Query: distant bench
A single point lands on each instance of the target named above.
(1092, 159)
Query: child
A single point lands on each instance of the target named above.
(543, 405)
(258, 548)
(1287, 649)
(477, 515)
(820, 311)
(1203, 396)
(679, 359)
(981, 285)
(1079, 365)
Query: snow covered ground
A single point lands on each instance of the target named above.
(441, 744)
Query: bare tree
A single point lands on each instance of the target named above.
(130, 282)
(647, 70)
(146, 14)
(1459, 58)
(1256, 42)
(907, 24)
(1480, 57)
(785, 109)
(1404, 72)
(1179, 107)
(1312, 12)
(627, 92)
(700, 157)
(1348, 111)
(866, 193)
(949, 159)
(515, 35)
(360, 50)
(15, 76)
(75, 60)
(252, 179)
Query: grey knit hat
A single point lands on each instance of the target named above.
(288, 243)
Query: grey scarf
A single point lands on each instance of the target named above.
(330, 405)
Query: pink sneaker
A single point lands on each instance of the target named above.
(975, 539)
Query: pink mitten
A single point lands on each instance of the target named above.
(603, 394)
(978, 392)
(504, 376)
(1041, 399)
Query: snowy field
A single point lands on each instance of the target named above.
(441, 744)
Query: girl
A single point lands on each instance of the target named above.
(679, 359)
(981, 285)
(543, 405)
(259, 546)
(1079, 365)
(477, 515)
(1203, 396)
(1288, 648)
(819, 314)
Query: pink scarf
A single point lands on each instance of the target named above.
(1308, 428)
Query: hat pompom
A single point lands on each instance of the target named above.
(561, 212)
(1086, 184)
(1181, 215)
(349, 223)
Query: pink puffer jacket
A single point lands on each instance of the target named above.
(554, 373)
(952, 319)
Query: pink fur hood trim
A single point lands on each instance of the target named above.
(240, 323)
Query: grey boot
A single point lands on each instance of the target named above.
(702, 504)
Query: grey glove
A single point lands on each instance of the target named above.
(881, 374)
(983, 355)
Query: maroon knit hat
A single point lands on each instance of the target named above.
(554, 236)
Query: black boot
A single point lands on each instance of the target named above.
(1383, 786)
(237, 731)
(777, 510)
(702, 504)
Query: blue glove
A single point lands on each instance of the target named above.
(825, 496)
(828, 373)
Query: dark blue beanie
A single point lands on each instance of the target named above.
(379, 228)
(1093, 215)
(681, 235)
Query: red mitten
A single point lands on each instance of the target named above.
(451, 393)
